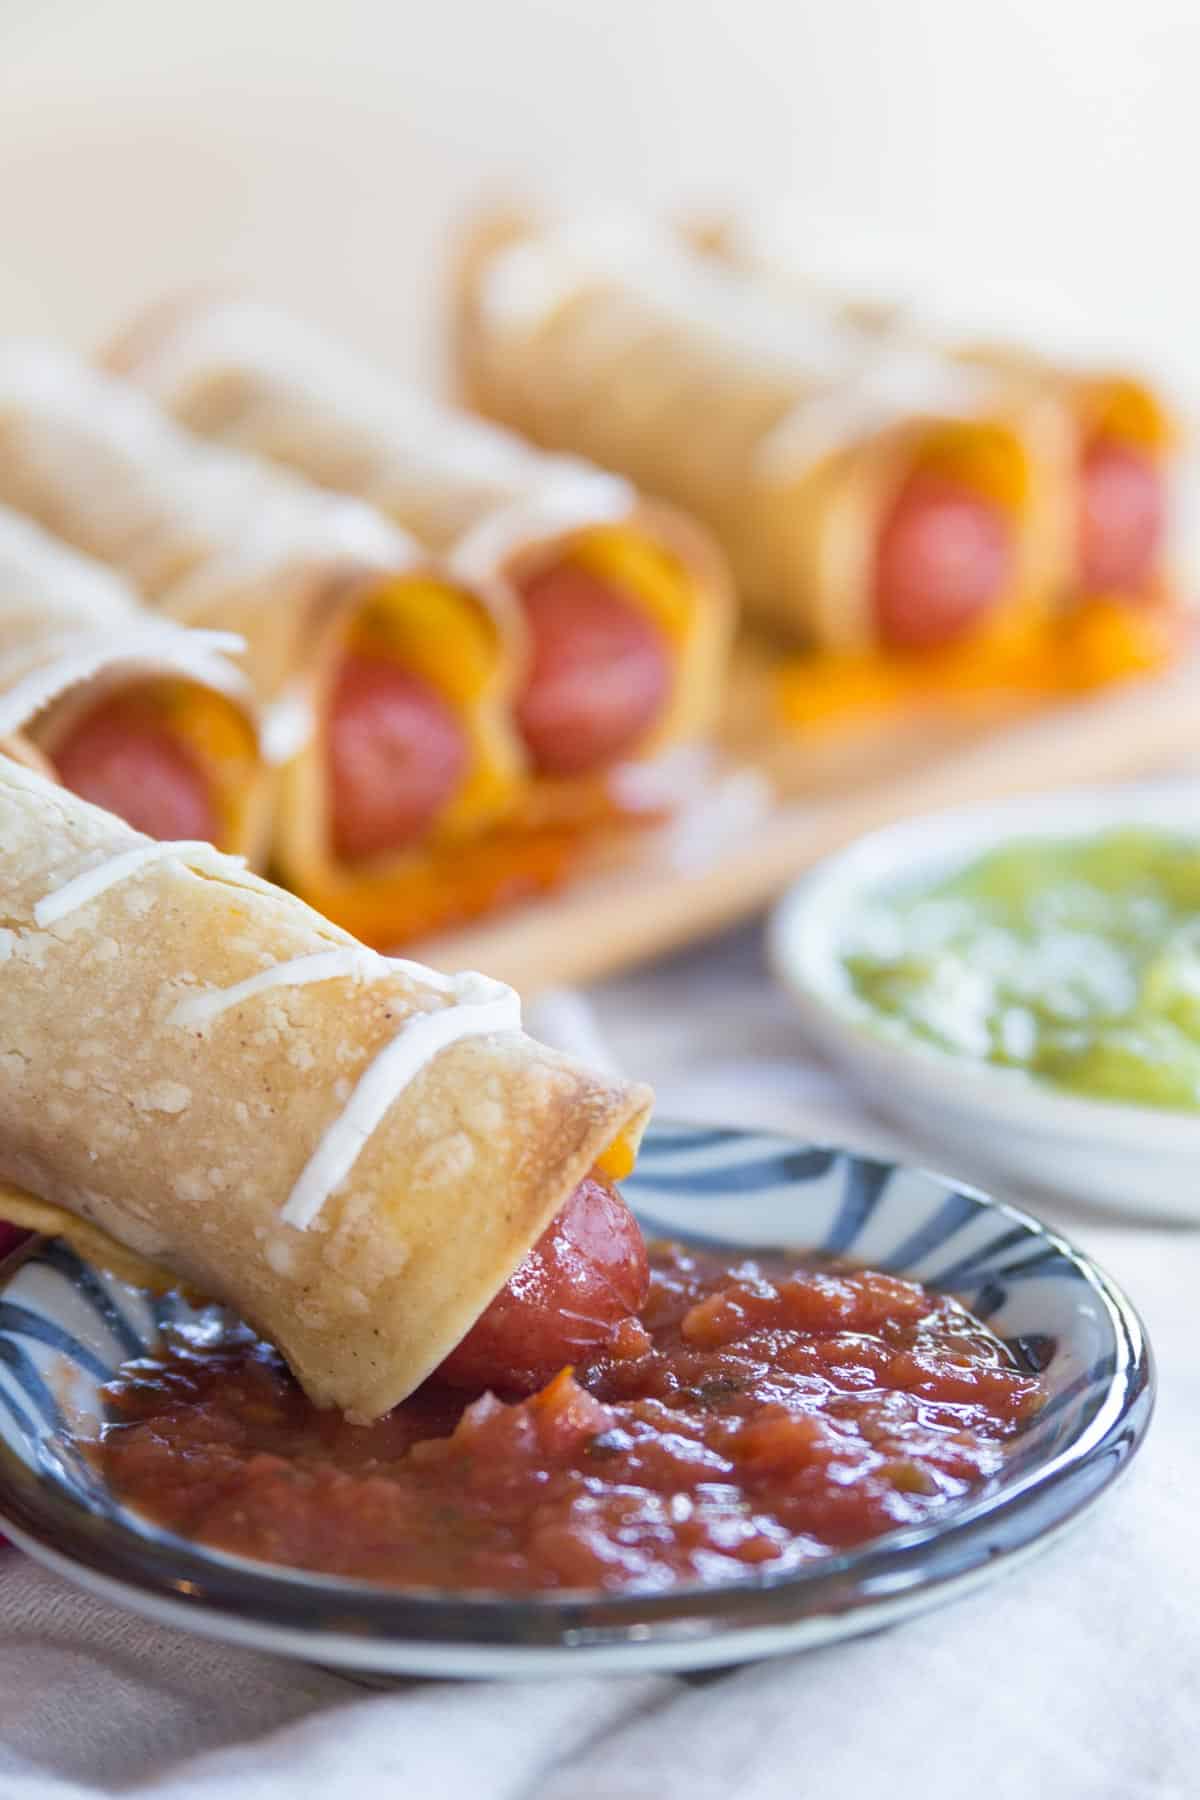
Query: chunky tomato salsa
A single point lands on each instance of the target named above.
(754, 1415)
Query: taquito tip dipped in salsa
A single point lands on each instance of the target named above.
(352, 1151)
(624, 605)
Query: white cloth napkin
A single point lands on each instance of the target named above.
(1077, 1678)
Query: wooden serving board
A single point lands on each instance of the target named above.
(650, 905)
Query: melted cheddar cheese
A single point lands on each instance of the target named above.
(1103, 641)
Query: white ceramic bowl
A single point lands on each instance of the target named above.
(1133, 1159)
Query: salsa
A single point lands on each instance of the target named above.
(1076, 962)
(755, 1415)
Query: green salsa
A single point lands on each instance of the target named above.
(1077, 961)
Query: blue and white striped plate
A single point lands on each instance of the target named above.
(65, 1328)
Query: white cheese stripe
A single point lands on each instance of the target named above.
(353, 962)
(114, 869)
(421, 1039)
(525, 284)
(896, 385)
(172, 650)
(313, 390)
(586, 498)
(466, 985)
(477, 1007)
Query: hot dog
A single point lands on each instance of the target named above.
(122, 758)
(600, 672)
(397, 754)
(584, 1276)
(1122, 517)
(944, 559)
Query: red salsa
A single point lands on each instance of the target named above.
(755, 1415)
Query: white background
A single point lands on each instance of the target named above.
(322, 153)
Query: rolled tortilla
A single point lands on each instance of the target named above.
(792, 441)
(20, 750)
(311, 581)
(352, 1151)
(75, 645)
(259, 380)
(1120, 442)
